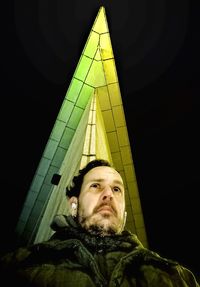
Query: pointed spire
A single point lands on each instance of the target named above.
(91, 123)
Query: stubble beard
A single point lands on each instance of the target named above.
(101, 225)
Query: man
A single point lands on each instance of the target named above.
(90, 247)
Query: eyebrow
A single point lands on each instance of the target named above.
(116, 181)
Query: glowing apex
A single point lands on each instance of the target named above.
(100, 24)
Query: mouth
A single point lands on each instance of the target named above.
(105, 209)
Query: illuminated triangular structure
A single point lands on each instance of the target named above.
(90, 124)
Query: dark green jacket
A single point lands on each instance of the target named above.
(74, 258)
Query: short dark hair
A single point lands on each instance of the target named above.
(75, 187)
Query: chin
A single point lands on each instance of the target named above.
(105, 225)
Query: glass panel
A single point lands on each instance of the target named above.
(25, 213)
(57, 130)
(106, 48)
(115, 95)
(31, 198)
(87, 140)
(103, 98)
(74, 90)
(50, 173)
(50, 149)
(129, 172)
(100, 25)
(93, 140)
(58, 157)
(96, 75)
(113, 142)
(108, 121)
(37, 182)
(84, 96)
(97, 55)
(44, 192)
(75, 118)
(82, 68)
(126, 155)
(117, 159)
(65, 111)
(110, 71)
(118, 116)
(122, 136)
(43, 167)
(133, 189)
(91, 45)
(35, 213)
(137, 207)
(66, 138)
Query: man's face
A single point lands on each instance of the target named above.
(102, 201)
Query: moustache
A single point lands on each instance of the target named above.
(96, 209)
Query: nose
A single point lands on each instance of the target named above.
(107, 193)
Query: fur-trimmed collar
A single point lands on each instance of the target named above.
(67, 228)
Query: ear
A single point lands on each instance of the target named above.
(73, 201)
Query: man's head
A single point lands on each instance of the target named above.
(98, 192)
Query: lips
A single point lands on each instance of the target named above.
(105, 208)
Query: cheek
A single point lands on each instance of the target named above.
(121, 207)
(87, 204)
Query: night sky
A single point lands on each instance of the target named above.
(156, 49)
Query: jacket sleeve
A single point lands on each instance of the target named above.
(9, 265)
(188, 277)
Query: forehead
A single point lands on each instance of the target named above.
(103, 172)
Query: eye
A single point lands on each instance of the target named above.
(117, 189)
(95, 185)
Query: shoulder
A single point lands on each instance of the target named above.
(187, 276)
(14, 257)
(174, 276)
(163, 270)
(35, 254)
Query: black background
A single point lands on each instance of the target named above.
(156, 48)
